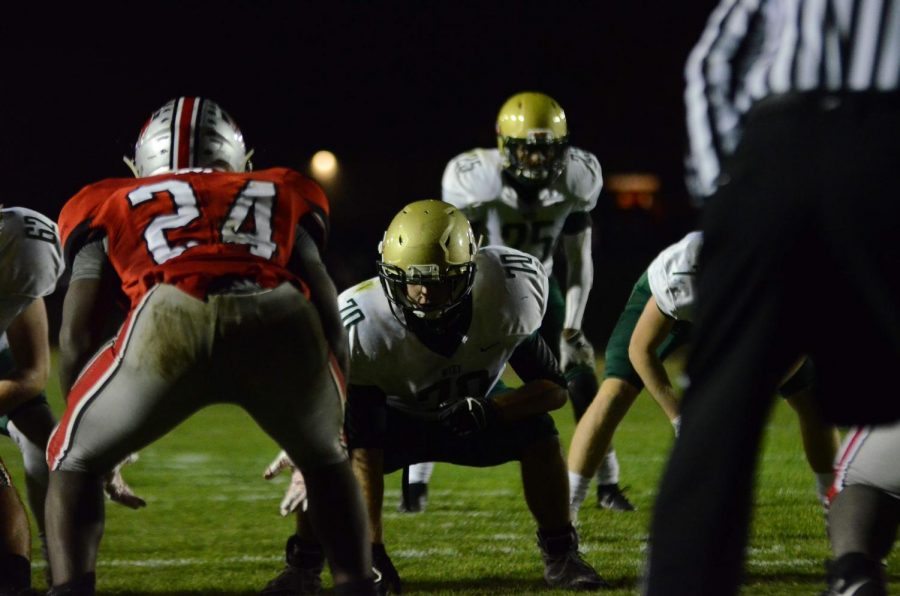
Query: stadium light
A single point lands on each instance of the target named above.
(324, 165)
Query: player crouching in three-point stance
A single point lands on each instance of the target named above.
(229, 303)
(428, 344)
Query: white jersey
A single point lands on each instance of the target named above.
(473, 183)
(30, 260)
(673, 277)
(508, 303)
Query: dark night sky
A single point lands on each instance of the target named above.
(395, 89)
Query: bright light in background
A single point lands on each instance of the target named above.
(324, 165)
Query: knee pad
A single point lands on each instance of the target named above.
(33, 458)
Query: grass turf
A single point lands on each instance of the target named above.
(212, 525)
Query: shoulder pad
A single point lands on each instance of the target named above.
(472, 177)
(30, 253)
(522, 301)
(584, 178)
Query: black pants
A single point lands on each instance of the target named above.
(801, 255)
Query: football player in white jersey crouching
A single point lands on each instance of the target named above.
(429, 339)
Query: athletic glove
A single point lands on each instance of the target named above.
(574, 350)
(468, 415)
(118, 490)
(295, 495)
(387, 580)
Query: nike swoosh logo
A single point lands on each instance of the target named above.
(493, 345)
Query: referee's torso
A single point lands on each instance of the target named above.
(754, 49)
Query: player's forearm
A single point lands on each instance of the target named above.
(324, 296)
(77, 344)
(21, 387)
(28, 343)
(534, 397)
(368, 465)
(579, 277)
(652, 372)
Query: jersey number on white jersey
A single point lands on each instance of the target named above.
(448, 390)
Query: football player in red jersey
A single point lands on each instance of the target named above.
(229, 302)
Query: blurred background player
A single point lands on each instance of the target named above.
(532, 193)
(230, 302)
(428, 345)
(656, 321)
(864, 510)
(30, 265)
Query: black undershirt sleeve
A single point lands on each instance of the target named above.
(365, 421)
(533, 360)
(577, 222)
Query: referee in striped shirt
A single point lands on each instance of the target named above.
(793, 114)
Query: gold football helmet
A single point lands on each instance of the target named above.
(427, 264)
(533, 136)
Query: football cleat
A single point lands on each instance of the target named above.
(855, 574)
(564, 568)
(610, 496)
(414, 498)
(303, 572)
(82, 586)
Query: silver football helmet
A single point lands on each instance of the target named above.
(189, 132)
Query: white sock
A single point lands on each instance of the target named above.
(824, 480)
(578, 489)
(421, 473)
(609, 469)
(676, 424)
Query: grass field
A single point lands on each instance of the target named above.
(212, 525)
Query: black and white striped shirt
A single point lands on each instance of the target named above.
(751, 49)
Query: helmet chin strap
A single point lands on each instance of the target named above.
(131, 165)
(248, 165)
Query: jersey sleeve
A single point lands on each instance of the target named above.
(584, 178)
(518, 285)
(76, 227)
(315, 220)
(673, 277)
(352, 305)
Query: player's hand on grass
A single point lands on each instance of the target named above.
(118, 490)
(468, 415)
(387, 580)
(295, 495)
(574, 350)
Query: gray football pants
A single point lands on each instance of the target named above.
(175, 354)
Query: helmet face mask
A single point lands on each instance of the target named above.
(424, 292)
(189, 132)
(427, 265)
(533, 137)
(538, 162)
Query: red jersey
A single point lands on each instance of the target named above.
(193, 227)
